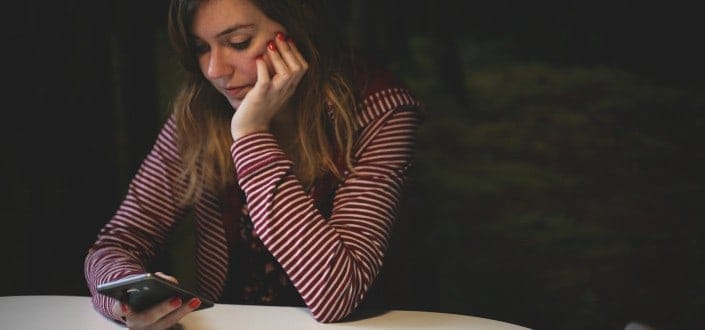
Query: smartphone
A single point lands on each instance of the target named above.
(143, 291)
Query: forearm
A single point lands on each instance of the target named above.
(310, 250)
(331, 262)
(140, 225)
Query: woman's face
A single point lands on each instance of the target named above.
(228, 36)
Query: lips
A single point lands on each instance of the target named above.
(237, 92)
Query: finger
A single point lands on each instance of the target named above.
(154, 314)
(291, 60)
(167, 277)
(263, 78)
(174, 317)
(295, 51)
(280, 67)
(120, 309)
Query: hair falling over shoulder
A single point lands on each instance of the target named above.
(325, 102)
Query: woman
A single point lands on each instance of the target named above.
(290, 154)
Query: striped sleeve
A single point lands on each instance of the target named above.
(140, 225)
(332, 263)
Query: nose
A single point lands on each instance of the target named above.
(218, 65)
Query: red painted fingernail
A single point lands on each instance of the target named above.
(195, 302)
(123, 307)
(271, 46)
(281, 36)
(175, 302)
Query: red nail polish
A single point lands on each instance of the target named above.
(271, 46)
(281, 36)
(175, 302)
(123, 308)
(195, 302)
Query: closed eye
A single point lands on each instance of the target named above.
(240, 45)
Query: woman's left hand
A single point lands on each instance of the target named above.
(270, 94)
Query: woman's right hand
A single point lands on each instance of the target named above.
(271, 93)
(162, 316)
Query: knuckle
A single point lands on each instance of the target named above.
(174, 318)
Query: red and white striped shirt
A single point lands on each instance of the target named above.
(331, 261)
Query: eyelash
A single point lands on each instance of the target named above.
(202, 49)
(240, 45)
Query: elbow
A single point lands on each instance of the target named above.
(334, 311)
(330, 318)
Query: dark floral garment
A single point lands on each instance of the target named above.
(254, 275)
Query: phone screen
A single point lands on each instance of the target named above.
(143, 291)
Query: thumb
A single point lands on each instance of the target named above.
(263, 78)
(120, 309)
(167, 277)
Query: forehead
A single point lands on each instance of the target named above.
(212, 17)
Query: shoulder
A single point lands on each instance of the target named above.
(381, 93)
(165, 145)
(167, 134)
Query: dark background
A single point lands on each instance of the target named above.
(559, 178)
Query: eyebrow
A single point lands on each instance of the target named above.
(235, 28)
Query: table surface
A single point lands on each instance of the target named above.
(76, 313)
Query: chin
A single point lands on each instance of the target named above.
(235, 103)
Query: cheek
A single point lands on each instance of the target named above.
(248, 68)
(244, 68)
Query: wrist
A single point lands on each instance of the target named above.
(238, 133)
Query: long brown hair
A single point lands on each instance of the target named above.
(203, 116)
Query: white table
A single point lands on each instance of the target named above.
(77, 313)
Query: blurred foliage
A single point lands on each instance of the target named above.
(559, 196)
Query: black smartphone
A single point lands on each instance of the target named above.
(143, 291)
